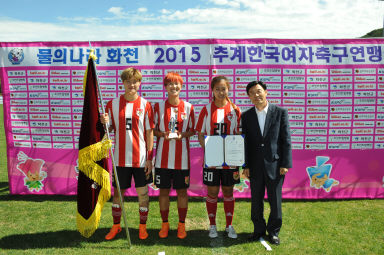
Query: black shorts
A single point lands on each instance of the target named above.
(125, 177)
(164, 178)
(225, 177)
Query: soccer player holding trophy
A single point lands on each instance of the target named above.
(174, 124)
(220, 117)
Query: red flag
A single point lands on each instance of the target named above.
(93, 188)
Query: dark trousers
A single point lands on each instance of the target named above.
(259, 181)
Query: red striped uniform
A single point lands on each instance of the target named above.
(130, 120)
(173, 154)
(218, 121)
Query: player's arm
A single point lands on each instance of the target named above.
(158, 133)
(104, 119)
(187, 134)
(200, 137)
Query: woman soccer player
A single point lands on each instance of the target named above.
(174, 124)
(220, 117)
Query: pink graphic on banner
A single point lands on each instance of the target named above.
(32, 169)
(319, 174)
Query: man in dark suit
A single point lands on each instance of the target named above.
(268, 156)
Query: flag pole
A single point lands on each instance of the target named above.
(106, 127)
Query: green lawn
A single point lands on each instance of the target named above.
(47, 225)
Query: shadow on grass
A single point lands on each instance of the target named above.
(154, 199)
(4, 186)
(36, 198)
(42, 198)
(72, 239)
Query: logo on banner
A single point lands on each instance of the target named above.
(32, 170)
(16, 56)
(242, 186)
(319, 174)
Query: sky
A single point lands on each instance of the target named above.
(128, 20)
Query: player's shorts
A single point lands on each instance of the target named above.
(225, 177)
(165, 178)
(125, 177)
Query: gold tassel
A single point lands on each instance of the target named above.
(87, 227)
(87, 164)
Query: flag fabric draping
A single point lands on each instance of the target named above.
(93, 188)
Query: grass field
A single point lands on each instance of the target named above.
(47, 225)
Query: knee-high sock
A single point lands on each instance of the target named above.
(143, 215)
(116, 213)
(229, 207)
(211, 204)
(164, 215)
(182, 214)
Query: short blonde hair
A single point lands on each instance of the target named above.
(131, 73)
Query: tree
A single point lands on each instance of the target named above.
(374, 33)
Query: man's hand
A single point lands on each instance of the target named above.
(246, 172)
(148, 167)
(283, 170)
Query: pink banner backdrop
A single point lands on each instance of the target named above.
(333, 90)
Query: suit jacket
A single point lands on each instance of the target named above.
(273, 148)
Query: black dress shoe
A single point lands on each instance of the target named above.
(274, 239)
(255, 237)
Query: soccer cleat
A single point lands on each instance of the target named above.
(231, 232)
(181, 231)
(143, 231)
(164, 230)
(113, 232)
(213, 231)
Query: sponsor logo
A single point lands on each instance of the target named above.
(317, 71)
(363, 124)
(16, 56)
(294, 71)
(247, 71)
(315, 146)
(341, 109)
(183, 72)
(317, 116)
(363, 131)
(339, 146)
(216, 71)
(270, 71)
(362, 146)
(297, 146)
(339, 131)
(341, 71)
(335, 139)
(362, 138)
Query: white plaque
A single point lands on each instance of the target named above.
(234, 150)
(214, 151)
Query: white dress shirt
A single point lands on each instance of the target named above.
(261, 115)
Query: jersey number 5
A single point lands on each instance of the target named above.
(128, 123)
